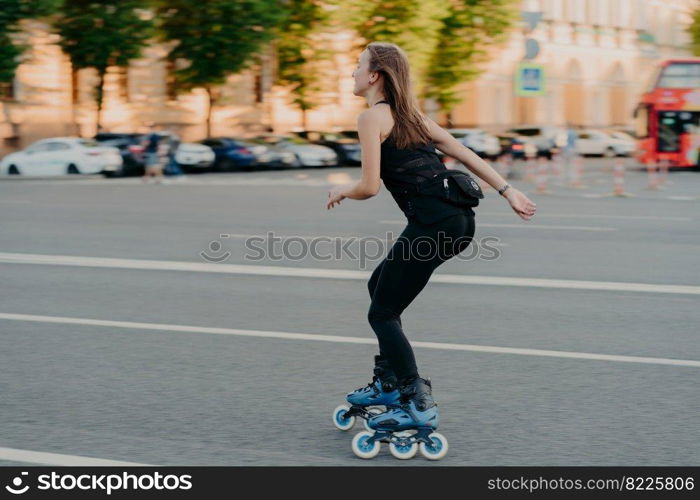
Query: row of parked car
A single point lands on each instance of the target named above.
(545, 141)
(121, 154)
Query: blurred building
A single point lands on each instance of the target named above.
(597, 55)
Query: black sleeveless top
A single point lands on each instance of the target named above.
(408, 166)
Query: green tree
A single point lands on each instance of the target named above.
(694, 31)
(103, 34)
(468, 31)
(12, 12)
(299, 53)
(413, 25)
(213, 39)
(445, 40)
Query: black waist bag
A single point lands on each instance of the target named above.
(444, 193)
(453, 186)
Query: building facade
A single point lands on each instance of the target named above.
(597, 54)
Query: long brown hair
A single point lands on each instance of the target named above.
(409, 125)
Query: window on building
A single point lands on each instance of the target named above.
(602, 12)
(557, 7)
(569, 10)
(639, 17)
(590, 12)
(579, 11)
(625, 13)
(614, 9)
(547, 8)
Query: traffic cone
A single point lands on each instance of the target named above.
(541, 179)
(619, 178)
(663, 171)
(652, 176)
(576, 182)
(530, 169)
(508, 166)
(556, 165)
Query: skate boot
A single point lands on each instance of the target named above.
(369, 400)
(408, 427)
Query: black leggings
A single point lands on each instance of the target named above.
(400, 277)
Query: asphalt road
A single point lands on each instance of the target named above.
(190, 361)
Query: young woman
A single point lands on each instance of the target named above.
(398, 146)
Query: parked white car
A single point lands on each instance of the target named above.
(193, 155)
(479, 141)
(306, 153)
(62, 156)
(628, 143)
(597, 142)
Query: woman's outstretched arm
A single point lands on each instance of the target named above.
(370, 141)
(450, 146)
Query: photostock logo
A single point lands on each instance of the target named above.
(17, 482)
(275, 247)
(215, 246)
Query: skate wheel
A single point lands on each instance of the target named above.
(344, 424)
(363, 448)
(403, 452)
(437, 449)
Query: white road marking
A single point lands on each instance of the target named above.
(190, 181)
(347, 274)
(526, 225)
(346, 340)
(44, 458)
(594, 216)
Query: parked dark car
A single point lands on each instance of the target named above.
(347, 148)
(543, 138)
(512, 144)
(130, 147)
(352, 134)
(231, 153)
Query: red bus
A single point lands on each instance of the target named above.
(668, 116)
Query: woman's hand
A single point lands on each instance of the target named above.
(520, 203)
(335, 195)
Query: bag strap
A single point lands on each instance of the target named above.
(438, 176)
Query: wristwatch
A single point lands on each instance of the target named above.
(503, 189)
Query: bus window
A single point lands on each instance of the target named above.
(641, 115)
(680, 76)
(672, 124)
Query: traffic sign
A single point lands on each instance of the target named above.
(530, 80)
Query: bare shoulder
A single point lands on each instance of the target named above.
(377, 118)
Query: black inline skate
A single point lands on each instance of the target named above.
(370, 400)
(408, 427)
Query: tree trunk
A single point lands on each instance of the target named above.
(100, 97)
(74, 99)
(303, 118)
(209, 108)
